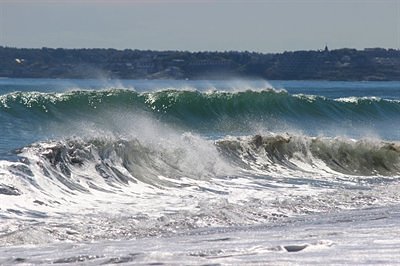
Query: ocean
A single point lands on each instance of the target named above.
(153, 172)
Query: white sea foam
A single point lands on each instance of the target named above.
(354, 99)
(161, 181)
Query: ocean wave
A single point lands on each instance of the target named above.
(123, 161)
(76, 164)
(97, 162)
(347, 156)
(192, 106)
(152, 186)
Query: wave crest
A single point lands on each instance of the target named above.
(84, 165)
(191, 105)
(363, 157)
(123, 161)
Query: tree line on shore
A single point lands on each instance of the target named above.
(340, 64)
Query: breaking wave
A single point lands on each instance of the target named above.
(143, 163)
(363, 157)
(80, 165)
(194, 107)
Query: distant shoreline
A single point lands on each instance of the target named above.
(197, 80)
(374, 64)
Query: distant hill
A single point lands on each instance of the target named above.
(341, 64)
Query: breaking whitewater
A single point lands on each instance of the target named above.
(199, 172)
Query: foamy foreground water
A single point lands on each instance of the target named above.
(369, 236)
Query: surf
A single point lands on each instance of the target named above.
(120, 163)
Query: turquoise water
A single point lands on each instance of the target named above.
(101, 160)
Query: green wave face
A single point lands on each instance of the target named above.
(220, 111)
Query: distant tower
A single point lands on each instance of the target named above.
(326, 48)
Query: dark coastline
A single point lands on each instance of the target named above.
(375, 64)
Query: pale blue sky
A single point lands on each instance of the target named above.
(194, 25)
